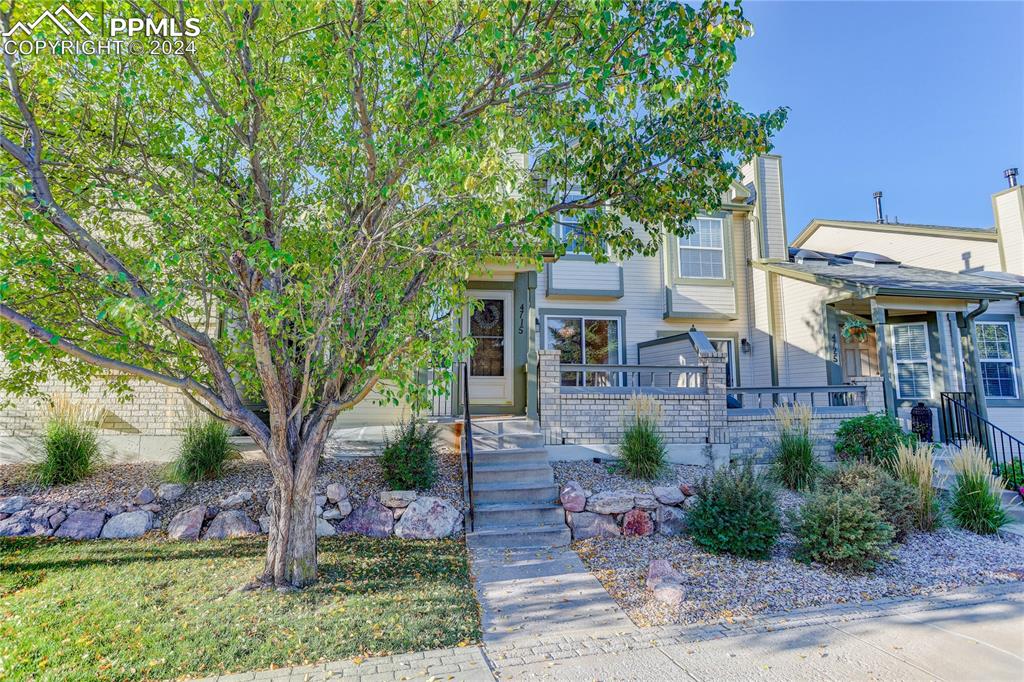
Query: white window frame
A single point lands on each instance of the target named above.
(927, 360)
(1012, 361)
(720, 249)
(620, 323)
(733, 357)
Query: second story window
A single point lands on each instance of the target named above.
(702, 252)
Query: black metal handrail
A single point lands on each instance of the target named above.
(467, 421)
(962, 424)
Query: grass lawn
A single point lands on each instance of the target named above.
(151, 609)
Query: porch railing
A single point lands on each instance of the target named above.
(445, 399)
(822, 399)
(468, 432)
(961, 423)
(596, 378)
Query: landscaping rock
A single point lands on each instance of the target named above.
(320, 501)
(665, 582)
(336, 492)
(397, 499)
(113, 508)
(211, 511)
(13, 505)
(324, 528)
(671, 521)
(82, 525)
(669, 495)
(145, 496)
(170, 492)
(688, 503)
(334, 514)
(187, 525)
(264, 524)
(237, 500)
(232, 523)
(645, 502)
(611, 502)
(590, 525)
(24, 523)
(687, 489)
(344, 507)
(57, 519)
(152, 508)
(373, 519)
(637, 522)
(427, 518)
(573, 497)
(127, 525)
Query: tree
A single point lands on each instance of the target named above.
(318, 181)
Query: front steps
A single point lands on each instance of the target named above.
(515, 498)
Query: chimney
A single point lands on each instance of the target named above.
(878, 207)
(1011, 177)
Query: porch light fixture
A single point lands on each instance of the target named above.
(744, 345)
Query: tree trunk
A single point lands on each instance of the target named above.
(291, 548)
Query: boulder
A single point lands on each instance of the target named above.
(611, 502)
(336, 492)
(573, 497)
(113, 508)
(590, 525)
(82, 525)
(127, 525)
(372, 518)
(153, 508)
(187, 525)
(332, 513)
(237, 500)
(344, 507)
(320, 501)
(13, 505)
(687, 489)
(671, 521)
(24, 523)
(637, 522)
(427, 518)
(670, 495)
(645, 502)
(324, 528)
(397, 499)
(56, 519)
(145, 496)
(264, 522)
(232, 523)
(665, 582)
(170, 492)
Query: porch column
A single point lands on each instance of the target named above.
(531, 346)
(550, 395)
(718, 448)
(882, 347)
(972, 361)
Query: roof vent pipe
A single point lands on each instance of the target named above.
(878, 207)
(1011, 177)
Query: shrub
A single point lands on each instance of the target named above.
(205, 446)
(976, 504)
(642, 451)
(408, 459)
(736, 512)
(895, 500)
(70, 446)
(1012, 473)
(873, 438)
(795, 465)
(842, 530)
(915, 466)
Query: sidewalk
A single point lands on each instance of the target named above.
(973, 634)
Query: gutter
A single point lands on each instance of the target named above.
(966, 323)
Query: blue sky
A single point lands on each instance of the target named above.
(921, 100)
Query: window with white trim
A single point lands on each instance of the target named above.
(911, 354)
(995, 350)
(568, 227)
(702, 252)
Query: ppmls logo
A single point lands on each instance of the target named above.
(63, 18)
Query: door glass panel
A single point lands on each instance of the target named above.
(487, 327)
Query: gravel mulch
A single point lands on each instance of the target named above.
(723, 587)
(348, 465)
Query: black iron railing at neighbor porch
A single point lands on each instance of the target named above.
(467, 421)
(961, 423)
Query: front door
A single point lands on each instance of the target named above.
(859, 356)
(490, 366)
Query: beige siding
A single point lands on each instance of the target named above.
(770, 202)
(802, 334)
(577, 275)
(372, 411)
(922, 250)
(1008, 207)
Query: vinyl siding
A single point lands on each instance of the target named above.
(771, 205)
(1009, 211)
(602, 279)
(802, 334)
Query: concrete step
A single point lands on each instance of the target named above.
(517, 514)
(499, 426)
(527, 439)
(511, 456)
(543, 535)
(525, 472)
(496, 493)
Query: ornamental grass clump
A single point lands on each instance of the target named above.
(408, 461)
(915, 466)
(795, 465)
(70, 445)
(842, 530)
(976, 503)
(205, 447)
(736, 513)
(642, 452)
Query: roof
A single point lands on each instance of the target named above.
(894, 279)
(982, 233)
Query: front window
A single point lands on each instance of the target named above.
(911, 355)
(702, 252)
(995, 350)
(585, 341)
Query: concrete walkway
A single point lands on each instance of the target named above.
(535, 592)
(973, 634)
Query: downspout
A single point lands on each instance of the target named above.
(969, 343)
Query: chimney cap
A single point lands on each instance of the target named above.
(1011, 176)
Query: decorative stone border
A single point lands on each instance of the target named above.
(624, 512)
